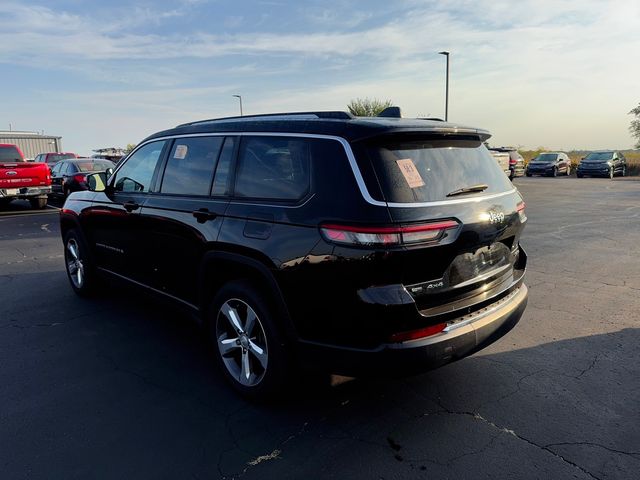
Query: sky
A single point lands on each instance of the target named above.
(555, 74)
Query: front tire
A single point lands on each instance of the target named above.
(248, 346)
(554, 172)
(80, 270)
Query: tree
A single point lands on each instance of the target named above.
(634, 128)
(129, 148)
(365, 107)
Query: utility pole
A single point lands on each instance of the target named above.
(446, 99)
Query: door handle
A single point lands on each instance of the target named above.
(130, 206)
(203, 214)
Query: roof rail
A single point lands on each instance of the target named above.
(433, 119)
(334, 115)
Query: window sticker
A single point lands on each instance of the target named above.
(410, 172)
(181, 152)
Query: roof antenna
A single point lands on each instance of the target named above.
(391, 112)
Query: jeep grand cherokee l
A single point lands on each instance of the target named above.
(356, 245)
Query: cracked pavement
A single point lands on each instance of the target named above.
(122, 386)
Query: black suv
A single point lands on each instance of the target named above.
(605, 163)
(357, 245)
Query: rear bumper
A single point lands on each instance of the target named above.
(25, 192)
(461, 337)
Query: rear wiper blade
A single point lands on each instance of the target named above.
(481, 187)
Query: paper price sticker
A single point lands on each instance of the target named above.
(410, 173)
(181, 152)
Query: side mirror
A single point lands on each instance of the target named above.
(97, 182)
(109, 172)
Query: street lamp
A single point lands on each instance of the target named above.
(239, 97)
(446, 101)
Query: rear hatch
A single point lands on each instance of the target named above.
(23, 174)
(442, 178)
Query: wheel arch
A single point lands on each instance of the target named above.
(220, 267)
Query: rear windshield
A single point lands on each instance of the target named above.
(10, 154)
(56, 157)
(94, 165)
(426, 169)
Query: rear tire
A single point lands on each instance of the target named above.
(248, 346)
(79, 267)
(38, 203)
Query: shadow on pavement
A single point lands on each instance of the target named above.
(123, 385)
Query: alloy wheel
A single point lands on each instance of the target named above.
(242, 342)
(75, 265)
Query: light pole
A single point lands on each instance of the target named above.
(446, 101)
(239, 97)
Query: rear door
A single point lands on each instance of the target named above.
(182, 218)
(454, 178)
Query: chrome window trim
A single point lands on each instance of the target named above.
(352, 162)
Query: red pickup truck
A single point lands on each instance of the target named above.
(23, 180)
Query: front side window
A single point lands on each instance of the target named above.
(273, 168)
(137, 173)
(191, 164)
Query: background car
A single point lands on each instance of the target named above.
(69, 176)
(53, 157)
(605, 163)
(516, 162)
(550, 164)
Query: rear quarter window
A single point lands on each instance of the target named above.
(273, 168)
(416, 169)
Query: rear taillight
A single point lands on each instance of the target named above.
(512, 162)
(387, 236)
(520, 209)
(80, 178)
(416, 334)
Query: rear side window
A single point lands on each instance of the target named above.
(191, 164)
(137, 173)
(413, 169)
(273, 168)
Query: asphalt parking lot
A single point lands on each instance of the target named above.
(121, 386)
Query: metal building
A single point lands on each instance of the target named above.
(32, 143)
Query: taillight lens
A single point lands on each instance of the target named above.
(520, 209)
(80, 178)
(512, 162)
(387, 236)
(416, 334)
